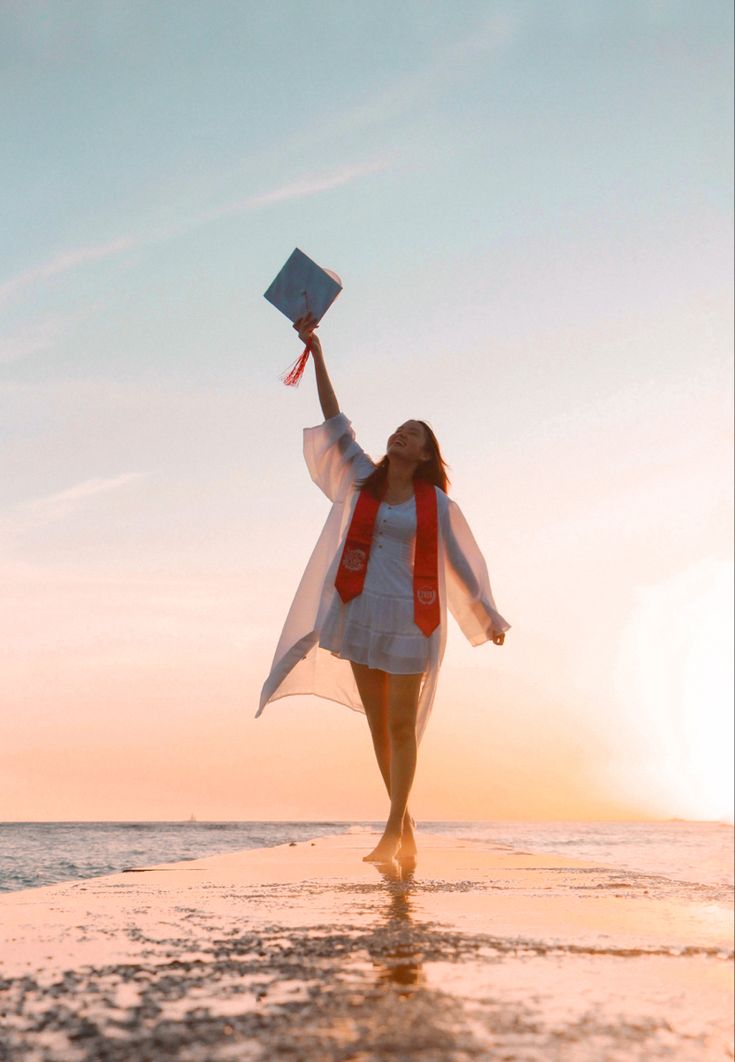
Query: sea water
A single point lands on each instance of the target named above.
(679, 857)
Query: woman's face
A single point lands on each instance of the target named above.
(409, 442)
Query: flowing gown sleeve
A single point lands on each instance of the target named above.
(334, 457)
(335, 461)
(469, 594)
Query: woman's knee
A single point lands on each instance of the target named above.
(379, 730)
(402, 729)
(403, 707)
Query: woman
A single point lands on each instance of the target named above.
(367, 627)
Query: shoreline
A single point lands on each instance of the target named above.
(342, 822)
(303, 950)
(136, 841)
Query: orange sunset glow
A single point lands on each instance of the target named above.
(536, 259)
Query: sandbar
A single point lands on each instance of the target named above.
(305, 952)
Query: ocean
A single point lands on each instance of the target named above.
(677, 857)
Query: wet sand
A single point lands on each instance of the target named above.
(305, 952)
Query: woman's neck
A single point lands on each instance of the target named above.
(399, 482)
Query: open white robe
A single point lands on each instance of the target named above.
(335, 461)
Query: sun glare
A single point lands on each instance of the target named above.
(674, 682)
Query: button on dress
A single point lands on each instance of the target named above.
(377, 627)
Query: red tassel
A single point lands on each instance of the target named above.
(292, 376)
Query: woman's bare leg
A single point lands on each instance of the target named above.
(372, 685)
(373, 689)
(403, 696)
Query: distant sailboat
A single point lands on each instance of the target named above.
(192, 817)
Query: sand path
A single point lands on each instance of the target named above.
(305, 952)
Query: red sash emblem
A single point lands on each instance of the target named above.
(353, 563)
(354, 560)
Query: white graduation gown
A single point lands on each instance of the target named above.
(300, 665)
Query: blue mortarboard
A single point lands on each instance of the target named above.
(303, 287)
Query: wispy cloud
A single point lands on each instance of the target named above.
(40, 335)
(51, 507)
(73, 259)
(450, 61)
(400, 95)
(29, 340)
(65, 261)
(298, 189)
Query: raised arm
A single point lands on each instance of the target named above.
(305, 327)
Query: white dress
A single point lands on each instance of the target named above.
(377, 627)
(301, 663)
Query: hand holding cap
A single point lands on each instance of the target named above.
(303, 289)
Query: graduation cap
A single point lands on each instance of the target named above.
(302, 287)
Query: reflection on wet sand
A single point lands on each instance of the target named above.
(401, 964)
(303, 952)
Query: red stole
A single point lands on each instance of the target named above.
(354, 561)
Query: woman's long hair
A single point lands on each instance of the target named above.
(433, 471)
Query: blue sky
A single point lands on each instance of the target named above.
(530, 207)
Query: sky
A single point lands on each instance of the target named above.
(530, 207)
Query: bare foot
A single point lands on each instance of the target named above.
(408, 847)
(386, 849)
